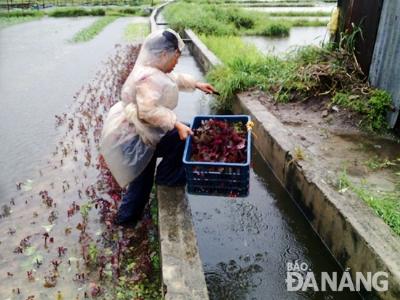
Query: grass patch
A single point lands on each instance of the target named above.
(217, 20)
(306, 73)
(18, 16)
(90, 32)
(372, 105)
(236, 48)
(5, 22)
(305, 22)
(129, 11)
(78, 12)
(245, 67)
(21, 13)
(224, 20)
(136, 31)
(82, 2)
(385, 204)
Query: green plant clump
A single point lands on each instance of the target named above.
(136, 31)
(21, 13)
(385, 204)
(220, 20)
(307, 72)
(277, 30)
(373, 106)
(245, 67)
(18, 16)
(90, 32)
(76, 12)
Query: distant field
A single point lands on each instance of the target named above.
(47, 3)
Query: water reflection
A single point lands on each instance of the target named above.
(245, 243)
(233, 279)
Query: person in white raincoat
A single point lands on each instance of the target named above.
(142, 126)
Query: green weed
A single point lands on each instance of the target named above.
(85, 209)
(8, 18)
(5, 22)
(219, 20)
(76, 12)
(276, 30)
(305, 72)
(385, 204)
(93, 253)
(372, 106)
(21, 13)
(376, 163)
(305, 22)
(136, 31)
(90, 32)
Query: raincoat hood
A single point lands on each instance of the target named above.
(155, 44)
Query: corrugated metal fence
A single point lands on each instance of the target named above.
(385, 67)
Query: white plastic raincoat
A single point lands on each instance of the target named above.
(136, 124)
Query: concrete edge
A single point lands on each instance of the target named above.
(356, 237)
(181, 267)
(154, 14)
(182, 270)
(206, 59)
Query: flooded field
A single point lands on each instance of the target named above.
(299, 36)
(57, 238)
(40, 71)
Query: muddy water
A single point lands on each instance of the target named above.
(299, 36)
(245, 243)
(39, 74)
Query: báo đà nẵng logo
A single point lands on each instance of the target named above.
(299, 277)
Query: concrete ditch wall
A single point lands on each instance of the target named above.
(357, 238)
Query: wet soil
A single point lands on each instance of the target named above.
(331, 135)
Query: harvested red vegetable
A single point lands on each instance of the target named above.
(219, 141)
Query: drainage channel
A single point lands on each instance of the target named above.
(246, 243)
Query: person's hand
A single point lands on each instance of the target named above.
(205, 87)
(183, 130)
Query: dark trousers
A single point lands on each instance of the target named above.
(170, 172)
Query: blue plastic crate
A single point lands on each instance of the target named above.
(217, 178)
